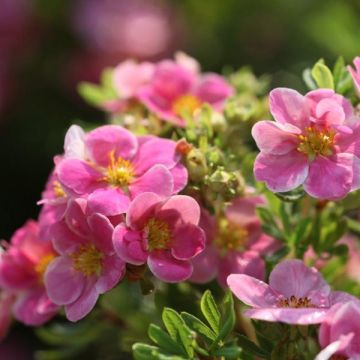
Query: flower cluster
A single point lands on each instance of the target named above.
(163, 194)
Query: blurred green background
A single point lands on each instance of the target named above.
(46, 47)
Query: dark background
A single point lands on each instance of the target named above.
(47, 47)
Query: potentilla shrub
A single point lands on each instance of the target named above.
(166, 233)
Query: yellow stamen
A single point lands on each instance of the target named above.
(87, 259)
(186, 105)
(316, 142)
(42, 265)
(230, 236)
(158, 234)
(294, 302)
(58, 190)
(120, 172)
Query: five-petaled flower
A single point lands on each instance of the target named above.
(314, 142)
(162, 233)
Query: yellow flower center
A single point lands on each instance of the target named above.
(120, 172)
(186, 105)
(230, 236)
(42, 265)
(316, 142)
(294, 302)
(87, 259)
(158, 234)
(58, 190)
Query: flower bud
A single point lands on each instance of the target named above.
(227, 184)
(196, 164)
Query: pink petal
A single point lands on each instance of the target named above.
(157, 180)
(64, 240)
(154, 152)
(186, 206)
(281, 172)
(331, 178)
(63, 284)
(343, 343)
(74, 145)
(101, 231)
(298, 316)
(294, 278)
(205, 266)
(167, 268)
(113, 270)
(141, 208)
(75, 218)
(105, 139)
(180, 177)
(288, 106)
(251, 291)
(349, 142)
(128, 245)
(275, 138)
(78, 176)
(84, 304)
(329, 112)
(109, 202)
(188, 241)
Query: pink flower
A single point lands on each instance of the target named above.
(176, 91)
(22, 268)
(340, 332)
(235, 243)
(296, 294)
(355, 73)
(87, 265)
(117, 166)
(7, 300)
(314, 142)
(162, 233)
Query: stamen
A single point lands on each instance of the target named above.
(87, 259)
(186, 104)
(230, 236)
(42, 265)
(294, 302)
(158, 234)
(58, 190)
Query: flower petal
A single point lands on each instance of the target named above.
(251, 291)
(281, 172)
(113, 270)
(331, 178)
(63, 284)
(288, 106)
(180, 177)
(205, 265)
(167, 268)
(75, 217)
(101, 231)
(74, 145)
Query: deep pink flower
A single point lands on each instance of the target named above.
(162, 233)
(117, 166)
(355, 73)
(340, 332)
(296, 294)
(235, 243)
(22, 268)
(175, 91)
(314, 142)
(87, 265)
(7, 299)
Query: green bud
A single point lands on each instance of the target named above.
(218, 122)
(227, 184)
(195, 162)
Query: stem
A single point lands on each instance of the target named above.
(245, 324)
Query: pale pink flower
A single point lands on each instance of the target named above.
(117, 166)
(87, 265)
(355, 73)
(22, 268)
(296, 294)
(162, 233)
(175, 91)
(7, 299)
(235, 243)
(314, 142)
(340, 332)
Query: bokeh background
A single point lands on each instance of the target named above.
(48, 46)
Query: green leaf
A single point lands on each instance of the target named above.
(91, 93)
(228, 319)
(251, 348)
(178, 330)
(198, 326)
(322, 75)
(164, 341)
(291, 196)
(232, 352)
(210, 311)
(339, 68)
(148, 352)
(308, 79)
